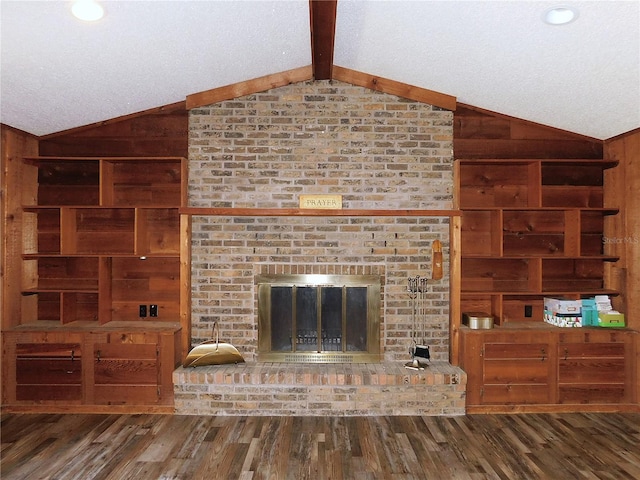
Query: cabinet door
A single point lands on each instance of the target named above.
(126, 373)
(48, 372)
(593, 368)
(516, 373)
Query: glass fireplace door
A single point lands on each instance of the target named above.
(324, 320)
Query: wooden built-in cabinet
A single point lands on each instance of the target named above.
(101, 237)
(80, 366)
(530, 229)
(549, 369)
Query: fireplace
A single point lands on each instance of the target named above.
(264, 150)
(319, 318)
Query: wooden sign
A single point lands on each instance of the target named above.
(329, 202)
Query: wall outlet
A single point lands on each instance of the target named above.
(142, 311)
(528, 311)
(153, 310)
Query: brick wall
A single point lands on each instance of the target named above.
(378, 151)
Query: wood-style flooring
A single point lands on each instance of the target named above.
(525, 446)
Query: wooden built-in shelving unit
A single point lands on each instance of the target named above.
(530, 229)
(101, 237)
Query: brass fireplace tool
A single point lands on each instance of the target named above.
(420, 355)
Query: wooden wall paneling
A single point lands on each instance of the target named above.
(480, 133)
(622, 231)
(14, 180)
(170, 359)
(161, 132)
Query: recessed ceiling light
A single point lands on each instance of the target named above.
(560, 15)
(87, 10)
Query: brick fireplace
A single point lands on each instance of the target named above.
(377, 151)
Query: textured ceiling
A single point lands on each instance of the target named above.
(59, 73)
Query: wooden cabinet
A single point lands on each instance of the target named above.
(79, 367)
(101, 244)
(548, 369)
(530, 229)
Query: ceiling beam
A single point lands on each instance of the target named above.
(249, 87)
(322, 14)
(392, 87)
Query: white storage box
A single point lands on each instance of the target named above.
(563, 307)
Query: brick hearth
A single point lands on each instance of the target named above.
(278, 389)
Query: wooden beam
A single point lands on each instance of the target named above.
(392, 87)
(255, 85)
(310, 212)
(322, 14)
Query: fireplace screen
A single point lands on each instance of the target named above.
(319, 318)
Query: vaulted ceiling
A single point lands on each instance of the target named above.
(59, 73)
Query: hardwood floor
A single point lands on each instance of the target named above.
(531, 446)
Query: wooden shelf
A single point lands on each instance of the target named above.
(531, 228)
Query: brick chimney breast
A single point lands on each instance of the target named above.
(377, 151)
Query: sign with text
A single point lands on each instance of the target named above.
(321, 201)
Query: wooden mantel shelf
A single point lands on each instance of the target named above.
(313, 212)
